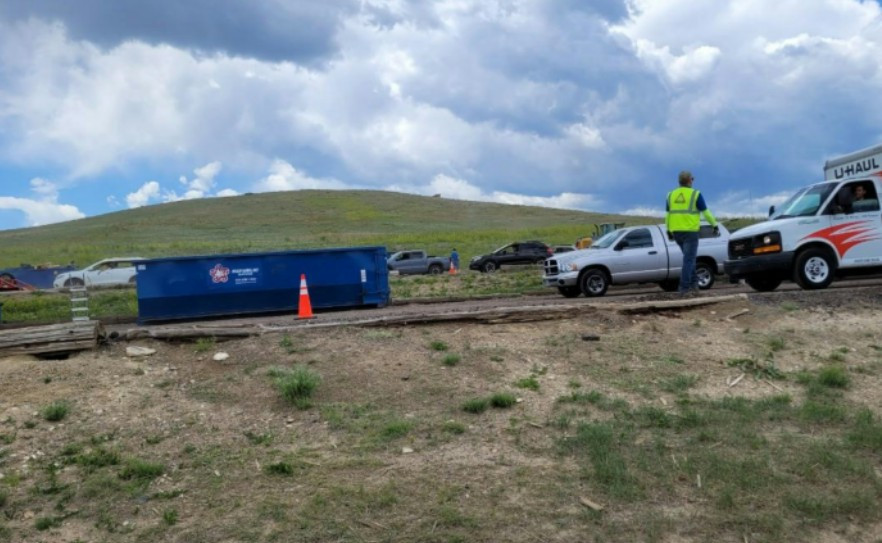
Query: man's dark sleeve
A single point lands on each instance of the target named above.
(700, 202)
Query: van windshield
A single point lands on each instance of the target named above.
(805, 202)
(606, 240)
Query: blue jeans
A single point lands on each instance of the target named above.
(688, 242)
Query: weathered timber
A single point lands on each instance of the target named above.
(184, 333)
(667, 305)
(51, 339)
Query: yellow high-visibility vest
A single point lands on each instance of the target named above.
(683, 215)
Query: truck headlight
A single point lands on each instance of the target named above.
(767, 243)
(572, 266)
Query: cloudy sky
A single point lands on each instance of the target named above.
(593, 105)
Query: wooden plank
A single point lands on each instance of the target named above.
(51, 339)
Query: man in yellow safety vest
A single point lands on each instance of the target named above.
(682, 220)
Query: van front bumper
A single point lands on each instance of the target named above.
(778, 263)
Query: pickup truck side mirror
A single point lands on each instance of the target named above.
(622, 245)
(771, 210)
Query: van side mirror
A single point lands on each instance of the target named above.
(771, 210)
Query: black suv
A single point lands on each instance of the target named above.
(520, 252)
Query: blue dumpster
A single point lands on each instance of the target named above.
(221, 285)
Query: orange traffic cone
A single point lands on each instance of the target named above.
(304, 308)
(452, 269)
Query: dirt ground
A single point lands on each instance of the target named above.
(386, 451)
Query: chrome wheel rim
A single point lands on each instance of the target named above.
(816, 269)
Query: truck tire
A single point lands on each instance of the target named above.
(670, 285)
(489, 267)
(593, 283)
(436, 269)
(814, 269)
(762, 283)
(705, 274)
(570, 292)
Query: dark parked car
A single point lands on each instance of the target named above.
(521, 252)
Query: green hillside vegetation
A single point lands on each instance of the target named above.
(298, 220)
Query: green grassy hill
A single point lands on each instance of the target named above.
(298, 220)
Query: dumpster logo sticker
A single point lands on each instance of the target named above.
(219, 274)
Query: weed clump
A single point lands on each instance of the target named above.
(451, 359)
(297, 385)
(833, 377)
(55, 412)
(476, 405)
(137, 469)
(503, 400)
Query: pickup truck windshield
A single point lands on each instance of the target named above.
(805, 202)
(606, 240)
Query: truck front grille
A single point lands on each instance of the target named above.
(551, 267)
(740, 248)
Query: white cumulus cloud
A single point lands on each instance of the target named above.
(148, 192)
(45, 209)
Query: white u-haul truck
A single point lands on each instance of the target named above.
(826, 230)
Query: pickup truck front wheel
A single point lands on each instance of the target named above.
(570, 292)
(761, 283)
(814, 269)
(594, 283)
(436, 269)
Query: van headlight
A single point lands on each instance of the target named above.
(767, 243)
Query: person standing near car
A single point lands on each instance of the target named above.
(454, 259)
(684, 207)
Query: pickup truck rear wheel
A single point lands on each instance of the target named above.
(489, 267)
(570, 292)
(814, 269)
(436, 269)
(670, 285)
(594, 283)
(762, 283)
(705, 274)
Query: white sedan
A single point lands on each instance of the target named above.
(107, 272)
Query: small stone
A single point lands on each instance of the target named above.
(216, 473)
(134, 350)
(220, 357)
(406, 450)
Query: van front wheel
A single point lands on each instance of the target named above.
(814, 269)
(761, 283)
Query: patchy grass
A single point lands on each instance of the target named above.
(297, 385)
(451, 359)
(55, 412)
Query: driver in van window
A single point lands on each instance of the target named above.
(860, 193)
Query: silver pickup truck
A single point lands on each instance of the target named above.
(415, 262)
(637, 254)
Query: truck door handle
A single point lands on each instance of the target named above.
(653, 252)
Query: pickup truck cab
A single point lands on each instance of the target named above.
(828, 229)
(637, 254)
(416, 262)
